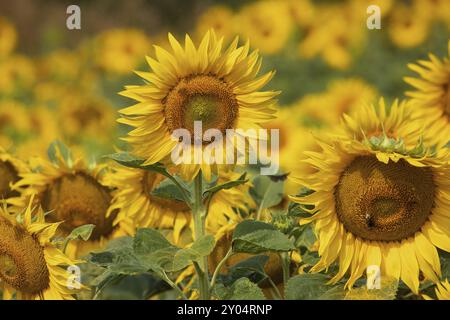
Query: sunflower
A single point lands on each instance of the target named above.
(134, 201)
(42, 129)
(379, 203)
(325, 109)
(74, 194)
(8, 37)
(408, 27)
(10, 170)
(61, 64)
(118, 51)
(220, 19)
(31, 266)
(84, 115)
(346, 96)
(334, 35)
(302, 12)
(377, 123)
(267, 24)
(16, 72)
(14, 123)
(432, 96)
(196, 84)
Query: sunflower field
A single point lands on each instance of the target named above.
(94, 207)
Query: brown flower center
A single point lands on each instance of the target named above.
(86, 115)
(79, 199)
(22, 262)
(8, 175)
(149, 182)
(384, 202)
(202, 98)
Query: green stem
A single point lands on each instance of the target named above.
(219, 267)
(275, 289)
(199, 215)
(186, 197)
(285, 264)
(174, 286)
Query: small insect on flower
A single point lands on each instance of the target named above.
(376, 204)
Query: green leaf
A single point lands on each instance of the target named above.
(57, 147)
(267, 192)
(243, 289)
(199, 249)
(157, 254)
(128, 160)
(251, 268)
(82, 232)
(445, 264)
(149, 240)
(251, 236)
(120, 260)
(308, 286)
(304, 236)
(227, 185)
(167, 189)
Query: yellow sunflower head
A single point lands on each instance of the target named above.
(31, 266)
(74, 194)
(432, 96)
(137, 207)
(207, 84)
(380, 206)
(408, 26)
(17, 72)
(384, 127)
(267, 24)
(118, 51)
(86, 115)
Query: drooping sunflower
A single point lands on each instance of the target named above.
(432, 96)
(207, 84)
(10, 170)
(379, 203)
(134, 201)
(73, 193)
(31, 266)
